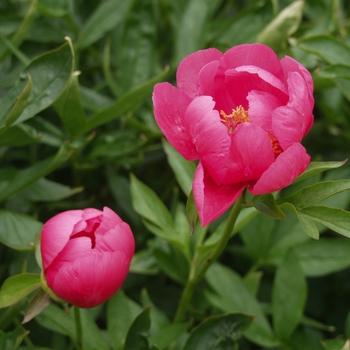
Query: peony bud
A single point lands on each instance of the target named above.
(86, 255)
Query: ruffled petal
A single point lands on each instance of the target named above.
(209, 135)
(251, 154)
(213, 200)
(253, 55)
(170, 106)
(189, 68)
(290, 123)
(287, 167)
(56, 233)
(261, 106)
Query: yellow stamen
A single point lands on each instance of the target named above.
(239, 115)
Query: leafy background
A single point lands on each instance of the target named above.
(77, 130)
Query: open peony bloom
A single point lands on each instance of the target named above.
(242, 114)
(86, 255)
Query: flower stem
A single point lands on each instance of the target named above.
(79, 332)
(196, 274)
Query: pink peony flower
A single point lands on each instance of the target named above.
(242, 114)
(86, 255)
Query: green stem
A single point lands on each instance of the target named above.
(196, 275)
(79, 331)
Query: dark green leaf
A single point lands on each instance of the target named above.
(19, 135)
(11, 340)
(17, 287)
(144, 263)
(168, 334)
(107, 16)
(288, 297)
(219, 332)
(266, 204)
(18, 231)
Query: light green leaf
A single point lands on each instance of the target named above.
(17, 287)
(231, 295)
(191, 212)
(19, 135)
(168, 334)
(324, 256)
(318, 167)
(70, 109)
(288, 297)
(276, 33)
(316, 193)
(107, 16)
(182, 168)
(306, 223)
(328, 48)
(18, 231)
(121, 312)
(218, 332)
(336, 219)
(266, 204)
(144, 263)
(125, 103)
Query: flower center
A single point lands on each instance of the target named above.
(240, 115)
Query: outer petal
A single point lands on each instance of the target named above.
(92, 279)
(253, 55)
(206, 79)
(290, 123)
(170, 105)
(213, 200)
(287, 167)
(56, 233)
(189, 68)
(209, 135)
(251, 154)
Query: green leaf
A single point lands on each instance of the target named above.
(231, 295)
(40, 302)
(18, 231)
(168, 334)
(57, 320)
(53, 8)
(11, 340)
(19, 135)
(316, 193)
(17, 287)
(144, 263)
(121, 312)
(336, 344)
(218, 332)
(191, 212)
(336, 219)
(306, 223)
(138, 333)
(266, 204)
(47, 191)
(328, 48)
(288, 297)
(23, 178)
(318, 167)
(319, 258)
(12, 106)
(276, 33)
(107, 16)
(182, 168)
(125, 103)
(70, 109)
(50, 74)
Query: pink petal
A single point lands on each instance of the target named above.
(56, 233)
(251, 154)
(253, 55)
(209, 135)
(170, 106)
(91, 280)
(290, 123)
(287, 167)
(213, 200)
(206, 79)
(189, 68)
(240, 82)
(261, 106)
